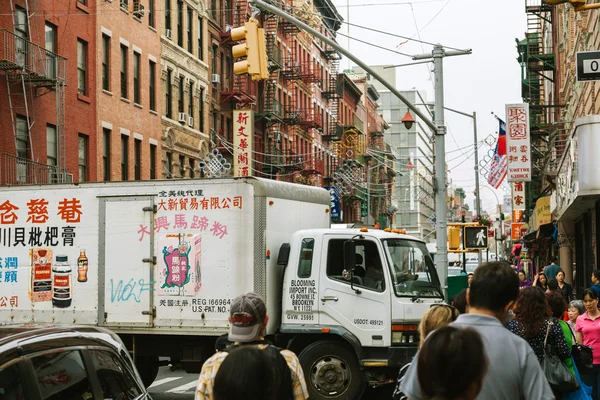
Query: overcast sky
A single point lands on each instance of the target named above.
(483, 82)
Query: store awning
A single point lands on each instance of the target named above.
(544, 231)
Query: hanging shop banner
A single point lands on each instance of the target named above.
(543, 215)
(243, 132)
(518, 142)
(518, 195)
(517, 230)
(334, 207)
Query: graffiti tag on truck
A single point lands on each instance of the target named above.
(132, 290)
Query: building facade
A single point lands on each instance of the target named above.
(47, 92)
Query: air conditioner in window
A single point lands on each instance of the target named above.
(216, 78)
(182, 118)
(168, 34)
(191, 121)
(139, 13)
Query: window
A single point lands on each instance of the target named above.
(46, 367)
(151, 85)
(168, 14)
(137, 149)
(191, 101)
(152, 161)
(123, 71)
(192, 166)
(190, 25)
(368, 271)
(169, 94)
(11, 386)
(137, 95)
(213, 9)
(81, 67)
(200, 47)
(115, 379)
(215, 50)
(306, 257)
(22, 137)
(106, 62)
(84, 2)
(51, 146)
(22, 35)
(106, 153)
(201, 116)
(181, 99)
(182, 166)
(180, 23)
(151, 21)
(50, 45)
(124, 157)
(125, 4)
(169, 165)
(83, 158)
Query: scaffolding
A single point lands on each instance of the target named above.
(30, 72)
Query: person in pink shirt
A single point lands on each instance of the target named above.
(587, 330)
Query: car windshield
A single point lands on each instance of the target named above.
(413, 272)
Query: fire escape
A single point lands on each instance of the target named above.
(240, 93)
(332, 93)
(537, 59)
(30, 72)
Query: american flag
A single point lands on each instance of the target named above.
(499, 166)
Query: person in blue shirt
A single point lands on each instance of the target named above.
(596, 282)
(552, 269)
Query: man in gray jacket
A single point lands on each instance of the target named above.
(514, 371)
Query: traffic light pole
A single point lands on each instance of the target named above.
(438, 128)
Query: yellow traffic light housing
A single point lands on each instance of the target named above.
(254, 49)
(578, 5)
(453, 238)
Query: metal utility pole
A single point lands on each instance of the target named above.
(441, 255)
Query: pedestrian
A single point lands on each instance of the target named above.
(248, 320)
(596, 282)
(246, 373)
(437, 316)
(469, 279)
(552, 285)
(222, 342)
(442, 372)
(523, 281)
(460, 302)
(541, 281)
(513, 372)
(565, 289)
(551, 270)
(587, 330)
(576, 308)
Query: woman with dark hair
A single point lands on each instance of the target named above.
(541, 281)
(442, 370)
(460, 302)
(245, 374)
(523, 281)
(532, 318)
(563, 287)
(587, 330)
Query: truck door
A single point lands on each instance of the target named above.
(126, 261)
(362, 307)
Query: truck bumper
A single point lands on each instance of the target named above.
(400, 355)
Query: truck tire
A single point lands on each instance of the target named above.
(147, 367)
(331, 371)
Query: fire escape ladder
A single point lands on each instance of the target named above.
(331, 93)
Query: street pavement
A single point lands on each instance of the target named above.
(179, 385)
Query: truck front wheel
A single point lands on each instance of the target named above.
(331, 371)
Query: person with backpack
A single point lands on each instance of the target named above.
(248, 319)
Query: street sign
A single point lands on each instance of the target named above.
(475, 237)
(588, 65)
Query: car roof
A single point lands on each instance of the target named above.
(21, 340)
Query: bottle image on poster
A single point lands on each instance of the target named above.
(40, 286)
(82, 266)
(61, 282)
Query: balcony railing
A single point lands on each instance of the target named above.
(33, 62)
(20, 171)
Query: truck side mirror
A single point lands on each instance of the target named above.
(284, 254)
(349, 255)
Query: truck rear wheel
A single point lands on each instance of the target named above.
(147, 367)
(331, 371)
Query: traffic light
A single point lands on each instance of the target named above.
(453, 238)
(254, 49)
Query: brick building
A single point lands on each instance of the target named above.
(128, 116)
(47, 92)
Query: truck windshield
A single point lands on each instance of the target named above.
(413, 271)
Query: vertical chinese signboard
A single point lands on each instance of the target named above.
(334, 208)
(243, 132)
(518, 196)
(518, 142)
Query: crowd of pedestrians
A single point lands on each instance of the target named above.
(504, 337)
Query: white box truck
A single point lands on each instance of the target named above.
(158, 262)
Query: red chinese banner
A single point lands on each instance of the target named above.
(518, 142)
(243, 132)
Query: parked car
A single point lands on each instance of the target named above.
(66, 363)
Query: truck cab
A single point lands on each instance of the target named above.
(351, 301)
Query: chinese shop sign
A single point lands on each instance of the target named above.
(518, 196)
(518, 143)
(243, 131)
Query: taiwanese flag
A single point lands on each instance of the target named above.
(499, 165)
(501, 145)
